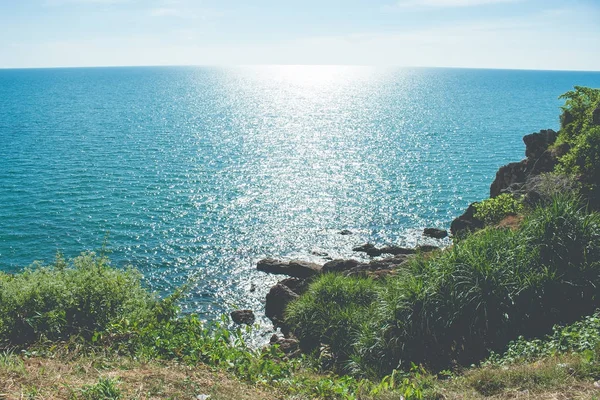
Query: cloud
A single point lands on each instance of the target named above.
(447, 3)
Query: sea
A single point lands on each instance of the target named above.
(193, 174)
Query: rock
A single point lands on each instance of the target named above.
(466, 222)
(378, 268)
(508, 175)
(242, 317)
(339, 265)
(289, 346)
(426, 248)
(277, 299)
(537, 143)
(364, 247)
(294, 268)
(512, 177)
(345, 232)
(373, 251)
(596, 116)
(435, 233)
(298, 286)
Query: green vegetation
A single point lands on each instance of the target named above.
(492, 211)
(580, 135)
(454, 307)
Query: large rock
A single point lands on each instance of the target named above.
(508, 176)
(466, 222)
(243, 317)
(339, 265)
(511, 178)
(277, 300)
(294, 268)
(537, 143)
(435, 233)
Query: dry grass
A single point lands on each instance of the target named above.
(59, 378)
(553, 378)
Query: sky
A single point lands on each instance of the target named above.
(520, 34)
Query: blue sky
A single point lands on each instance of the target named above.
(530, 34)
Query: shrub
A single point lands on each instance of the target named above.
(62, 300)
(580, 134)
(492, 211)
(331, 311)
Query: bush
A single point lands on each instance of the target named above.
(580, 134)
(331, 312)
(62, 300)
(494, 210)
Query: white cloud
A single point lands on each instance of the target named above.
(447, 3)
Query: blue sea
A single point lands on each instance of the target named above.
(194, 174)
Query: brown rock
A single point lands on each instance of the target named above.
(294, 268)
(435, 233)
(242, 317)
(277, 300)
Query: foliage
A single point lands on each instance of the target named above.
(79, 298)
(492, 211)
(457, 305)
(580, 134)
(580, 337)
(105, 389)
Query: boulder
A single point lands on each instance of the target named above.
(466, 222)
(277, 300)
(294, 268)
(339, 265)
(435, 233)
(243, 317)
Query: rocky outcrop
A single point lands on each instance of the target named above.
(537, 143)
(243, 317)
(435, 233)
(466, 222)
(512, 178)
(294, 268)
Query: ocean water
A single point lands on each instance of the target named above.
(191, 173)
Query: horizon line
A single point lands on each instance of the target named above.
(292, 65)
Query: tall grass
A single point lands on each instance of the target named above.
(457, 306)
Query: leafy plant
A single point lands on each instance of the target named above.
(492, 211)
